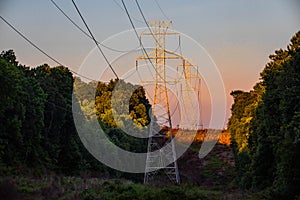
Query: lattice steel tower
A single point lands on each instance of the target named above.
(159, 158)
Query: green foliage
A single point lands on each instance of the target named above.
(272, 135)
(120, 107)
(37, 131)
(10, 57)
(22, 113)
(56, 187)
(118, 103)
(144, 192)
(243, 111)
(276, 124)
(12, 110)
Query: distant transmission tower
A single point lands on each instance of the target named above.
(156, 157)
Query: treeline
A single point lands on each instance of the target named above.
(37, 132)
(265, 127)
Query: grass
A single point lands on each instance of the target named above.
(214, 175)
(64, 188)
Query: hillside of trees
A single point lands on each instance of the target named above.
(37, 128)
(265, 127)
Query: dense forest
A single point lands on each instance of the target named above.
(265, 127)
(37, 128)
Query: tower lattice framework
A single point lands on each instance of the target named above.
(158, 158)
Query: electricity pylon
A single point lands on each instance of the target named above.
(191, 85)
(159, 158)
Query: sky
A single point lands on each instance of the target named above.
(238, 35)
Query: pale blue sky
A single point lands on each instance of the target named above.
(238, 34)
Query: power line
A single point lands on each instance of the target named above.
(78, 27)
(38, 48)
(161, 10)
(91, 34)
(24, 37)
(50, 57)
(137, 35)
(145, 21)
(140, 40)
(151, 32)
(84, 32)
(140, 21)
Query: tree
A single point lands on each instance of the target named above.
(37, 129)
(34, 98)
(10, 57)
(59, 138)
(272, 136)
(287, 177)
(22, 113)
(12, 111)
